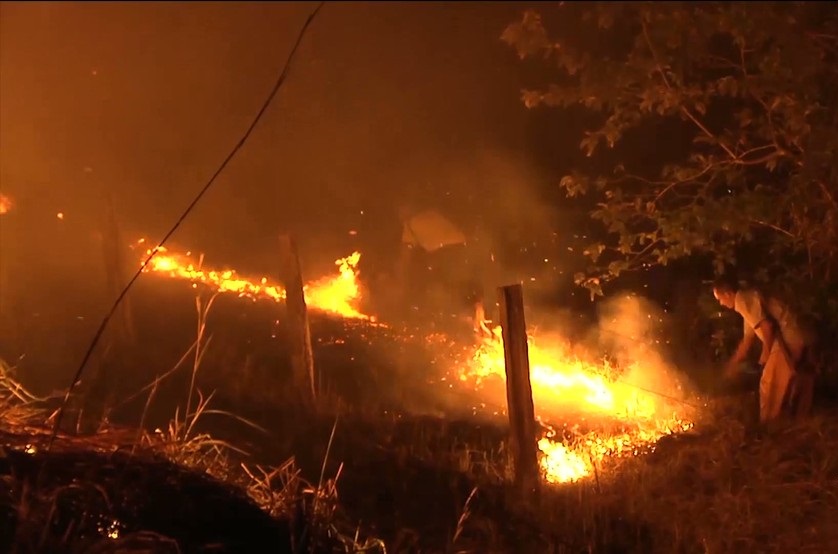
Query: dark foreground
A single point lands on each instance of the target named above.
(421, 486)
(80, 497)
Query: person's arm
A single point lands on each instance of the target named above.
(748, 303)
(741, 352)
(744, 347)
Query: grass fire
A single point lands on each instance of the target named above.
(562, 383)
(336, 295)
(418, 277)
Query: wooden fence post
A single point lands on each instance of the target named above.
(114, 255)
(518, 388)
(97, 388)
(302, 359)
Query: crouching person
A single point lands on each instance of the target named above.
(787, 381)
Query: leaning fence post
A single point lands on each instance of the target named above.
(518, 388)
(302, 359)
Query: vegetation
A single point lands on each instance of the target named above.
(419, 487)
(347, 478)
(17, 405)
(739, 102)
(747, 92)
(343, 478)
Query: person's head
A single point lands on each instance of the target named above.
(724, 289)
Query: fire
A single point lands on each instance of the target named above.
(562, 383)
(624, 419)
(337, 295)
(5, 204)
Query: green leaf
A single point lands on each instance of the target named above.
(696, 116)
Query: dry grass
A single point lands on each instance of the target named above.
(181, 442)
(768, 492)
(279, 491)
(724, 490)
(183, 445)
(18, 406)
(313, 509)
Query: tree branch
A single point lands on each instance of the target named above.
(759, 161)
(674, 184)
(683, 109)
(772, 226)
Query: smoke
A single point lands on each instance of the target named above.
(634, 332)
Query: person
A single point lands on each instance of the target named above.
(785, 384)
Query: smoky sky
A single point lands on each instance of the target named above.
(386, 104)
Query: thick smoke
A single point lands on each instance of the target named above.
(635, 333)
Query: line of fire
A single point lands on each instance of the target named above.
(631, 417)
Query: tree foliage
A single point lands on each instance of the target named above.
(741, 99)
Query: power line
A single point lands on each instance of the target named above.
(277, 85)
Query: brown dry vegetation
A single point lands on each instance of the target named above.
(412, 485)
(349, 477)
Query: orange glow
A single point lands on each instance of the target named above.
(60, 215)
(5, 204)
(619, 418)
(337, 295)
(629, 419)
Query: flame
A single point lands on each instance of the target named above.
(339, 294)
(336, 295)
(5, 204)
(626, 420)
(562, 382)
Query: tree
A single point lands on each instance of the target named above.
(740, 98)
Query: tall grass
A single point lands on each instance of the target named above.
(180, 441)
(18, 406)
(726, 489)
(280, 491)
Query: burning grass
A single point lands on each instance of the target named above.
(592, 413)
(718, 489)
(426, 484)
(627, 418)
(725, 490)
(336, 295)
(419, 485)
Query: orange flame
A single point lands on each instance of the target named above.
(629, 419)
(561, 382)
(5, 204)
(337, 295)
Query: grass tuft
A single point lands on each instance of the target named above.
(18, 406)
